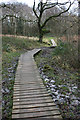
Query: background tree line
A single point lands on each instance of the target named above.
(19, 19)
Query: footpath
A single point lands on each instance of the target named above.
(31, 99)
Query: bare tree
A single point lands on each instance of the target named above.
(15, 18)
(40, 10)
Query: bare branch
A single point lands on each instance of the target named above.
(51, 6)
(56, 15)
(35, 10)
(4, 5)
(7, 6)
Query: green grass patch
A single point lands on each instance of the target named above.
(16, 43)
(48, 39)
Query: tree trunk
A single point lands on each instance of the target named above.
(40, 37)
(40, 32)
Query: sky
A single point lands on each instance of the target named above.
(29, 2)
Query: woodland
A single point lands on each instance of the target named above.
(25, 28)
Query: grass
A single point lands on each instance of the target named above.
(48, 39)
(12, 48)
(15, 43)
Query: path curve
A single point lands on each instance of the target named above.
(53, 43)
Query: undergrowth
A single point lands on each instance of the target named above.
(66, 55)
(61, 65)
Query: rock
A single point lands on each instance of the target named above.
(47, 86)
(3, 103)
(10, 68)
(61, 101)
(73, 97)
(10, 75)
(53, 86)
(59, 86)
(64, 86)
(49, 91)
(10, 79)
(72, 107)
(46, 79)
(66, 96)
(75, 102)
(58, 96)
(3, 91)
(55, 93)
(52, 81)
(62, 96)
(7, 91)
(75, 87)
(44, 76)
(52, 89)
(55, 100)
(78, 98)
(42, 73)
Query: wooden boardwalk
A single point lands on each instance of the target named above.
(30, 99)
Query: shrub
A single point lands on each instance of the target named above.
(67, 54)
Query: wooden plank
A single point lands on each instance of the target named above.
(16, 111)
(33, 105)
(33, 102)
(31, 96)
(29, 99)
(36, 114)
(30, 93)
